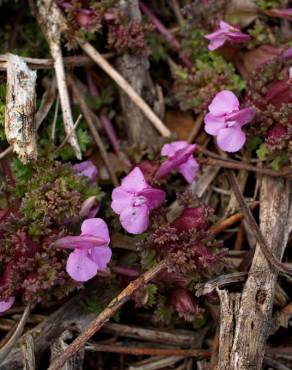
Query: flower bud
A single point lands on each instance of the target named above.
(193, 218)
(184, 304)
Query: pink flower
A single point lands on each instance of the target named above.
(133, 201)
(5, 305)
(180, 158)
(225, 121)
(88, 169)
(91, 252)
(226, 32)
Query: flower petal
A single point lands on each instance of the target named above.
(80, 267)
(216, 43)
(231, 139)
(224, 102)
(101, 256)
(96, 227)
(213, 124)
(172, 163)
(121, 199)
(154, 197)
(225, 26)
(88, 169)
(242, 117)
(5, 305)
(134, 181)
(80, 242)
(135, 219)
(171, 148)
(189, 169)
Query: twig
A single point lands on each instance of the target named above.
(10, 344)
(88, 118)
(55, 119)
(106, 314)
(52, 23)
(275, 364)
(199, 353)
(151, 335)
(69, 134)
(196, 129)
(170, 38)
(37, 63)
(219, 282)
(236, 165)
(125, 86)
(274, 262)
(156, 364)
(6, 152)
(176, 9)
(224, 224)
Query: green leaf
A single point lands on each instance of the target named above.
(253, 143)
(262, 152)
(279, 161)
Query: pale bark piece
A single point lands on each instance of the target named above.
(254, 316)
(28, 352)
(53, 23)
(76, 361)
(20, 126)
(134, 68)
(229, 307)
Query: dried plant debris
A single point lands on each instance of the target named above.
(20, 127)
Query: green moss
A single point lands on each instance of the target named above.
(212, 73)
(268, 4)
(52, 195)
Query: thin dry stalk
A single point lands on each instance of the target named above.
(64, 142)
(52, 22)
(89, 120)
(17, 334)
(273, 261)
(106, 314)
(137, 351)
(125, 86)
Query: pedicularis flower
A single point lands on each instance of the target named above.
(133, 201)
(5, 305)
(226, 32)
(91, 251)
(179, 157)
(225, 121)
(88, 169)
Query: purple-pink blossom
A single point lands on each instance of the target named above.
(88, 169)
(6, 305)
(134, 200)
(91, 251)
(226, 32)
(179, 157)
(225, 121)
